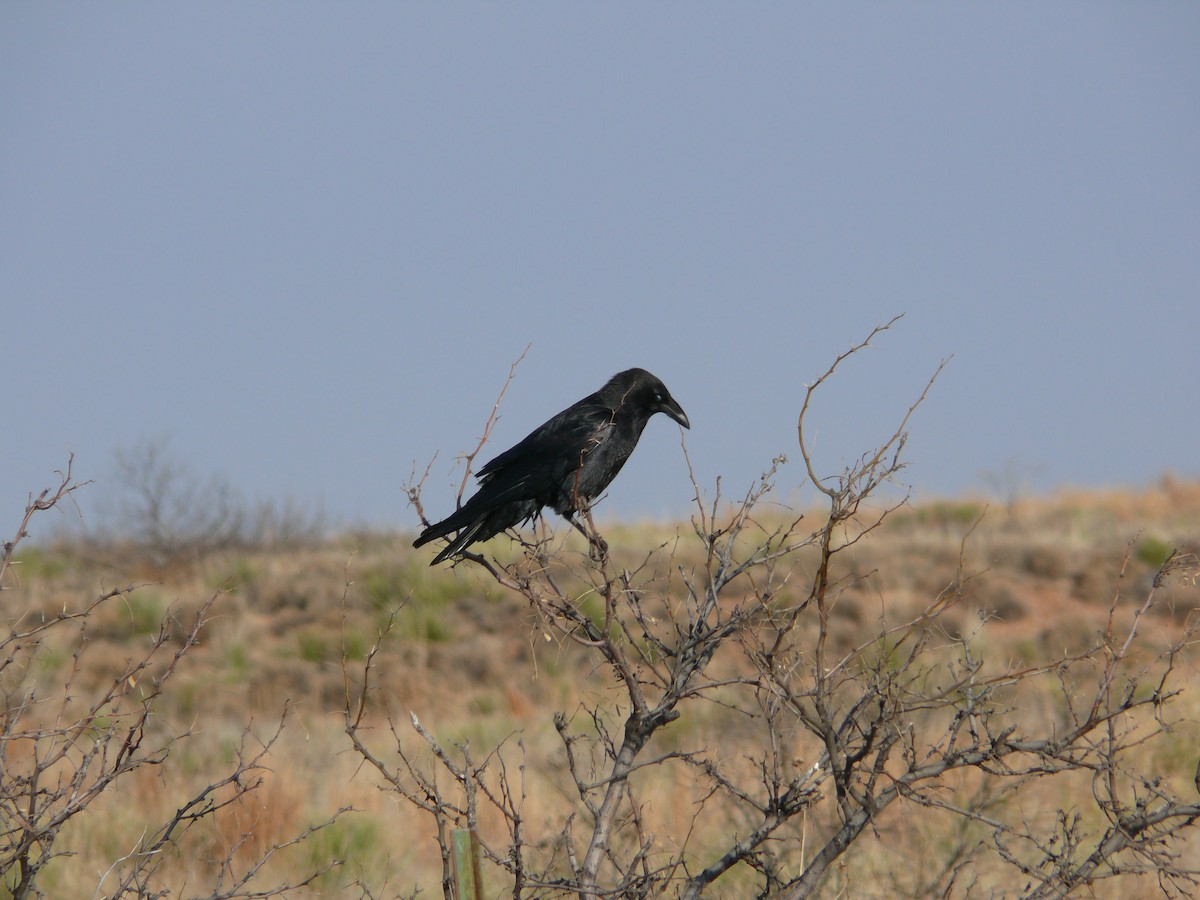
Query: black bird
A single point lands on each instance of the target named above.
(564, 464)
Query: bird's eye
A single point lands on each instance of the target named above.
(658, 396)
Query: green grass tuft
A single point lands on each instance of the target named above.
(314, 647)
(147, 611)
(238, 574)
(1153, 551)
(34, 564)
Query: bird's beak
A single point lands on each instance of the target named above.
(675, 411)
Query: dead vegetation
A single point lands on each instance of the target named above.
(872, 699)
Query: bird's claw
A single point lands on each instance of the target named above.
(597, 548)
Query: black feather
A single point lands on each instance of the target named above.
(564, 463)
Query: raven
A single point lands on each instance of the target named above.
(564, 463)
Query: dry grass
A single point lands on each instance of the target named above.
(474, 664)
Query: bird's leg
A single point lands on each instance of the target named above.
(598, 546)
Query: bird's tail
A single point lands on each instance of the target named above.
(457, 520)
(475, 522)
(465, 537)
(469, 530)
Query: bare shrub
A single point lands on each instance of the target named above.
(70, 732)
(165, 513)
(793, 741)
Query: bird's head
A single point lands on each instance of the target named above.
(665, 403)
(651, 395)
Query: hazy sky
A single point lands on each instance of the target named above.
(305, 241)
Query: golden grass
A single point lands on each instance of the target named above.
(474, 664)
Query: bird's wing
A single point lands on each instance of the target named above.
(539, 463)
(558, 444)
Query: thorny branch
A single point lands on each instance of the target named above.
(831, 738)
(65, 744)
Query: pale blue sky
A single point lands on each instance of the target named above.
(307, 240)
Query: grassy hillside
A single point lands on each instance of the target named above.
(288, 633)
